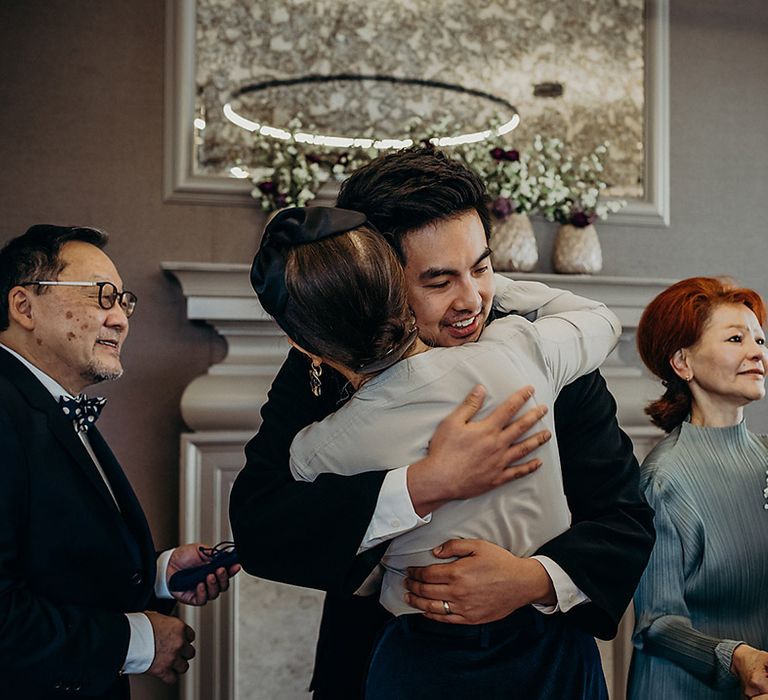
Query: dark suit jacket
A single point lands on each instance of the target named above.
(307, 534)
(70, 563)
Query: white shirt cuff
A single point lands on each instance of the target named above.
(567, 594)
(141, 646)
(161, 575)
(394, 513)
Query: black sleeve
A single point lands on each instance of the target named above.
(45, 644)
(305, 534)
(608, 545)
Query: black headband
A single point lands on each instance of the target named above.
(289, 228)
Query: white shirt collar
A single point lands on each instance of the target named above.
(48, 382)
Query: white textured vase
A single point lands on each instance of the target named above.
(513, 244)
(577, 250)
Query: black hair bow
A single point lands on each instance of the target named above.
(289, 228)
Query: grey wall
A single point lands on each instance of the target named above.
(81, 126)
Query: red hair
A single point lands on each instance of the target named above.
(675, 319)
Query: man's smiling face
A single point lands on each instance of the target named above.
(450, 279)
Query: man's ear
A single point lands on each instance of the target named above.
(680, 363)
(20, 307)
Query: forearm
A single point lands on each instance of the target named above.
(394, 514)
(708, 658)
(524, 297)
(303, 534)
(539, 585)
(428, 487)
(566, 594)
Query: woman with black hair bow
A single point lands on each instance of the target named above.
(336, 288)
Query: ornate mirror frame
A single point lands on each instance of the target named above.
(182, 185)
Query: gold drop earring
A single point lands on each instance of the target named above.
(315, 378)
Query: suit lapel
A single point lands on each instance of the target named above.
(133, 515)
(61, 427)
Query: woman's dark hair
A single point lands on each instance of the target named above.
(409, 189)
(348, 299)
(35, 256)
(676, 319)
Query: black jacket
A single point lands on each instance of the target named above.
(71, 563)
(307, 534)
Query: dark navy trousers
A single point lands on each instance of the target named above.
(525, 656)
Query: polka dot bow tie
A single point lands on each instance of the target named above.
(82, 410)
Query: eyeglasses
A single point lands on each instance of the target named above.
(108, 294)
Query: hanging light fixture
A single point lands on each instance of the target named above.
(351, 141)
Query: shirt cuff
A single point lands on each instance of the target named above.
(394, 513)
(161, 575)
(724, 655)
(567, 594)
(141, 645)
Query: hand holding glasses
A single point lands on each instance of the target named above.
(108, 294)
(223, 554)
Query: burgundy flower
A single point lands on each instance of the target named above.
(497, 153)
(502, 208)
(581, 219)
(314, 158)
(266, 187)
(500, 154)
(280, 201)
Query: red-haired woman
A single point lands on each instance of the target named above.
(702, 604)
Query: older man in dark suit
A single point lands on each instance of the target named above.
(79, 575)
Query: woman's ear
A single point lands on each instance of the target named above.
(316, 360)
(680, 363)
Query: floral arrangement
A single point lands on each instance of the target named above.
(543, 178)
(290, 174)
(579, 183)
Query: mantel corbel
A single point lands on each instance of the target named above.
(229, 395)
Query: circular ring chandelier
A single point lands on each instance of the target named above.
(363, 142)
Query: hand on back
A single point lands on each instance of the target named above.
(468, 457)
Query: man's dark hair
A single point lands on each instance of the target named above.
(35, 256)
(412, 188)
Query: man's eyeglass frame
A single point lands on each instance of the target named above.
(126, 299)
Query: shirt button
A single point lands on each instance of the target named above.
(137, 579)
(395, 523)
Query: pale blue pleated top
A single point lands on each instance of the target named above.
(706, 585)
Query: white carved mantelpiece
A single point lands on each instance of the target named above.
(257, 643)
(229, 396)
